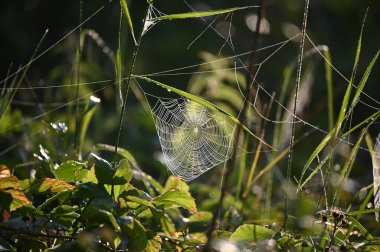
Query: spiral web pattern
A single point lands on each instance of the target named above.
(193, 138)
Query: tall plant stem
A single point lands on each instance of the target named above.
(78, 61)
(127, 83)
(242, 118)
(298, 81)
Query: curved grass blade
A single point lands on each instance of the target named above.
(329, 82)
(198, 14)
(128, 17)
(204, 103)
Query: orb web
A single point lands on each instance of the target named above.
(193, 138)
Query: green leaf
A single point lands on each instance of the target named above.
(11, 199)
(90, 191)
(90, 176)
(71, 171)
(64, 215)
(103, 170)
(251, 233)
(135, 233)
(46, 185)
(123, 173)
(177, 198)
(128, 17)
(199, 14)
(204, 103)
(122, 152)
(100, 211)
(176, 183)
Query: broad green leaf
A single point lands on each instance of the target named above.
(45, 185)
(90, 191)
(198, 14)
(176, 183)
(128, 17)
(204, 103)
(100, 211)
(71, 171)
(140, 201)
(177, 198)
(103, 170)
(251, 233)
(64, 215)
(122, 152)
(52, 199)
(154, 244)
(135, 233)
(90, 176)
(123, 173)
(11, 199)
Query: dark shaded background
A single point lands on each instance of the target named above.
(332, 23)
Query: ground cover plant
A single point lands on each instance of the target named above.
(155, 126)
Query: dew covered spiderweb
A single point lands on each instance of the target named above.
(193, 138)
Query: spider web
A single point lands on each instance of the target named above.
(193, 138)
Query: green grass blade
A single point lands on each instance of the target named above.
(349, 163)
(343, 109)
(364, 79)
(315, 153)
(362, 229)
(199, 14)
(369, 119)
(329, 83)
(315, 171)
(128, 17)
(204, 103)
(119, 75)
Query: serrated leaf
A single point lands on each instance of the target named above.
(177, 198)
(198, 14)
(251, 233)
(103, 170)
(45, 185)
(204, 103)
(176, 183)
(71, 171)
(64, 215)
(135, 232)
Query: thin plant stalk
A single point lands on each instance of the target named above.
(298, 82)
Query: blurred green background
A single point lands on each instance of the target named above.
(22, 23)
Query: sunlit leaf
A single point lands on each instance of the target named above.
(251, 233)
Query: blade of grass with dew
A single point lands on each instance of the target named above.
(85, 120)
(348, 164)
(343, 109)
(199, 14)
(369, 119)
(329, 83)
(128, 17)
(360, 227)
(204, 103)
(362, 82)
(315, 153)
(119, 74)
